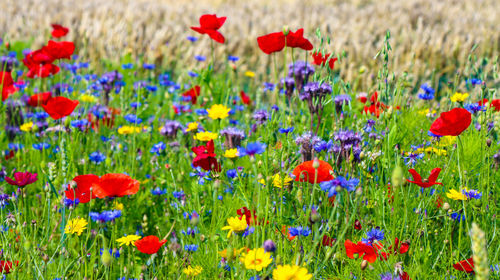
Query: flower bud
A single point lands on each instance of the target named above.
(286, 30)
(364, 264)
(446, 206)
(397, 176)
(315, 217)
(106, 257)
(315, 163)
(269, 246)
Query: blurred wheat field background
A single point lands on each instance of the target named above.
(427, 36)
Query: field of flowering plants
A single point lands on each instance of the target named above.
(129, 168)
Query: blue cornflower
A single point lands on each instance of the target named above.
(201, 112)
(135, 105)
(433, 135)
(412, 158)
(232, 173)
(472, 194)
(80, 124)
(252, 149)
(200, 57)
(192, 39)
(201, 174)
(474, 81)
(268, 86)
(133, 119)
(332, 185)
(428, 93)
(4, 200)
(191, 248)
(148, 66)
(192, 74)
(297, 231)
(474, 108)
(105, 216)
(233, 58)
(97, 157)
(71, 203)
(190, 231)
(286, 130)
(375, 234)
(320, 146)
(41, 146)
(457, 217)
(158, 148)
(151, 88)
(127, 66)
(158, 191)
(178, 194)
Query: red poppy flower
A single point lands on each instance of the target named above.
(495, 103)
(404, 276)
(9, 155)
(319, 59)
(149, 244)
(285, 232)
(483, 102)
(22, 179)
(115, 185)
(245, 98)
(431, 181)
(361, 249)
(59, 31)
(59, 50)
(205, 157)
(82, 190)
(376, 107)
(193, 93)
(6, 84)
(307, 171)
(393, 249)
(465, 265)
(6, 266)
(59, 107)
(275, 42)
(451, 123)
(209, 24)
(39, 99)
(328, 241)
(40, 64)
(357, 225)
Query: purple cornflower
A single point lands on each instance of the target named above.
(260, 116)
(233, 136)
(306, 142)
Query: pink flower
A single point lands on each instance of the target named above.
(22, 179)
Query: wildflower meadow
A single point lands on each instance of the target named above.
(270, 164)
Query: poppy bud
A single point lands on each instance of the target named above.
(357, 225)
(315, 217)
(106, 257)
(397, 176)
(194, 220)
(359, 191)
(316, 163)
(446, 206)
(364, 264)
(488, 142)
(286, 30)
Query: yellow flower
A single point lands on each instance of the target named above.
(126, 129)
(426, 111)
(205, 136)
(262, 181)
(289, 272)
(447, 141)
(439, 152)
(257, 259)
(192, 126)
(117, 205)
(232, 253)
(192, 271)
(279, 183)
(218, 111)
(77, 225)
(231, 153)
(459, 97)
(128, 240)
(456, 195)
(88, 98)
(250, 74)
(26, 127)
(235, 224)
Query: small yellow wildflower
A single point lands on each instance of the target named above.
(192, 126)
(447, 141)
(424, 112)
(235, 224)
(456, 195)
(192, 271)
(205, 136)
(218, 111)
(128, 240)
(279, 182)
(117, 205)
(26, 127)
(250, 74)
(77, 225)
(459, 97)
(126, 129)
(262, 181)
(231, 153)
(432, 150)
(88, 98)
(257, 259)
(289, 272)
